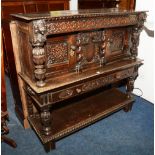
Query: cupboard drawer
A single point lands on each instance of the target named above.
(53, 97)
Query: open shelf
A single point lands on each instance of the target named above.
(74, 116)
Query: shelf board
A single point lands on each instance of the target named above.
(74, 116)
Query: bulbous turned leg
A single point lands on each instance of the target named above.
(49, 146)
(46, 121)
(129, 89)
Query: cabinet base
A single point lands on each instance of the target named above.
(72, 117)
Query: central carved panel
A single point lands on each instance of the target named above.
(89, 46)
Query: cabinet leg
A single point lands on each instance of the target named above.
(49, 146)
(129, 89)
(128, 107)
(46, 121)
(29, 105)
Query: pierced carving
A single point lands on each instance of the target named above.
(38, 38)
(57, 53)
(46, 121)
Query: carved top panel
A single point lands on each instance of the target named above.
(70, 14)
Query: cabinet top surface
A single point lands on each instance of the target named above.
(67, 14)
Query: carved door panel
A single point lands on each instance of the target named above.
(87, 48)
(117, 41)
(73, 52)
(56, 54)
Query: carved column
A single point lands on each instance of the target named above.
(46, 121)
(38, 38)
(130, 87)
(136, 30)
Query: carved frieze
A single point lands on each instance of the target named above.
(91, 23)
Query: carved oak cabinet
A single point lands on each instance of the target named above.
(68, 63)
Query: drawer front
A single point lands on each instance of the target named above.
(91, 85)
(53, 97)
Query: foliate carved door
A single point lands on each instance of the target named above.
(117, 43)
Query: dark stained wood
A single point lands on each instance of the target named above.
(21, 6)
(67, 118)
(70, 62)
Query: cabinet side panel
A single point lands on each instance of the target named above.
(16, 50)
(26, 55)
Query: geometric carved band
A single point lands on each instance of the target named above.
(87, 24)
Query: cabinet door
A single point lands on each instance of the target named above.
(117, 43)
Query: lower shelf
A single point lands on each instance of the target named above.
(82, 113)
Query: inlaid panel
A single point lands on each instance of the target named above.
(57, 53)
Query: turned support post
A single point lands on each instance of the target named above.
(129, 89)
(29, 106)
(46, 121)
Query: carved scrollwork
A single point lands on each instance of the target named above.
(66, 94)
